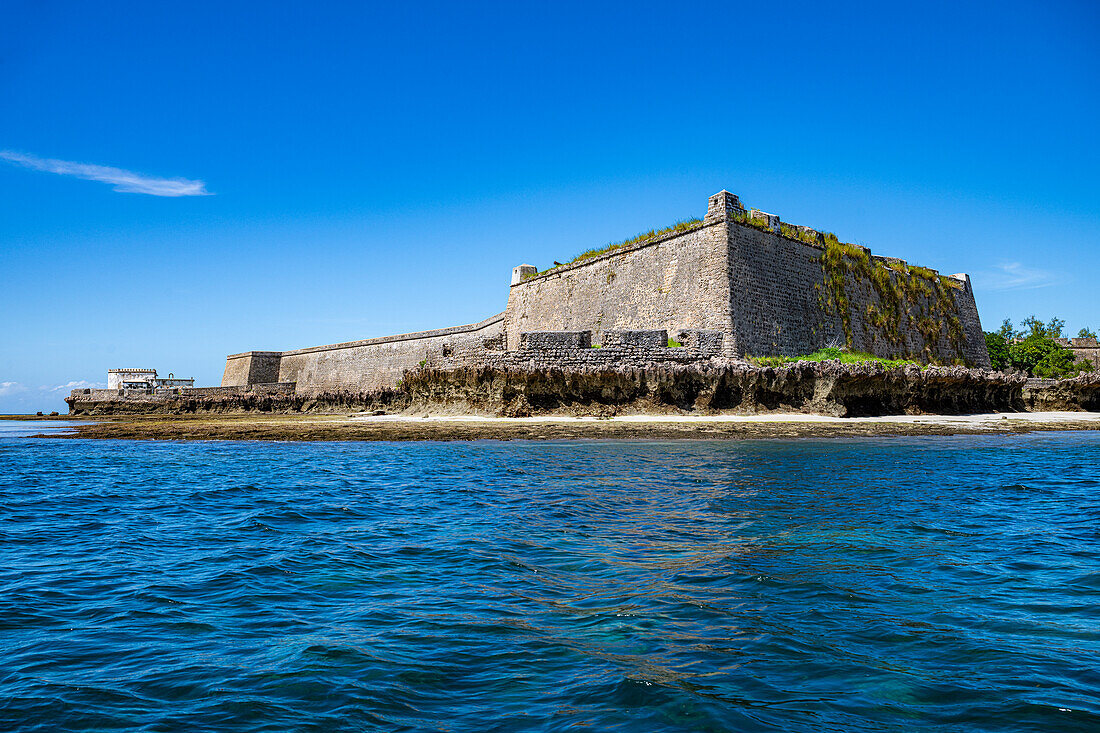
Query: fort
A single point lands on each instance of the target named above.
(673, 319)
(733, 284)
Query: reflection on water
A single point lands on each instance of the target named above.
(806, 585)
(28, 428)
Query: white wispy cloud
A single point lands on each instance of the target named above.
(1016, 276)
(10, 388)
(70, 386)
(123, 180)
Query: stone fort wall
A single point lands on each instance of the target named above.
(356, 365)
(779, 303)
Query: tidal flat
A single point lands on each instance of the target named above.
(429, 426)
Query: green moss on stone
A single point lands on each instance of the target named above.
(911, 295)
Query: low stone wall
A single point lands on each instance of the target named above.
(355, 365)
(574, 350)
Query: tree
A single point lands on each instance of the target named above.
(1034, 327)
(1086, 333)
(1006, 331)
(1057, 363)
(997, 346)
(1026, 354)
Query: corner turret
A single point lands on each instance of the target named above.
(522, 272)
(721, 205)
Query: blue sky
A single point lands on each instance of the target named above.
(185, 181)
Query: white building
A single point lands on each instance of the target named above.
(143, 379)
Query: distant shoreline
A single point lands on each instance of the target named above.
(366, 427)
(60, 416)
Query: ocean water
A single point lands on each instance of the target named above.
(939, 583)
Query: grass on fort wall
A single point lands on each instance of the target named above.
(681, 226)
(831, 354)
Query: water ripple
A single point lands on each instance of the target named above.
(814, 585)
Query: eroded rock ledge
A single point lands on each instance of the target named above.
(711, 387)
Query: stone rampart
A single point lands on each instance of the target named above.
(251, 367)
(265, 388)
(355, 365)
(784, 302)
(740, 282)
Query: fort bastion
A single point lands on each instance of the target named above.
(737, 282)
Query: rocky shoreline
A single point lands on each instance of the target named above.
(711, 388)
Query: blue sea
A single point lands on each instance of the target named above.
(894, 584)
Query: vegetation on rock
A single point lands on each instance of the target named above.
(830, 354)
(903, 291)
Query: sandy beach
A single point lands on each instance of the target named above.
(635, 427)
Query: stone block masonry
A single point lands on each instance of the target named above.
(251, 367)
(573, 351)
(671, 282)
(553, 340)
